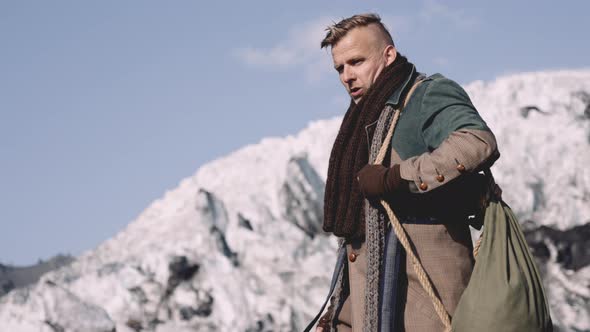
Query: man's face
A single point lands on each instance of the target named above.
(359, 57)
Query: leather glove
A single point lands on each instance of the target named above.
(375, 181)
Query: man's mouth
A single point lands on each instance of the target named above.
(356, 92)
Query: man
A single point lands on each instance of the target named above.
(429, 178)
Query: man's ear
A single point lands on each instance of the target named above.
(390, 53)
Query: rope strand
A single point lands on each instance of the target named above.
(401, 233)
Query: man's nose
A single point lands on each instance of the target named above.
(348, 75)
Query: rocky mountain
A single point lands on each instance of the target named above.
(238, 246)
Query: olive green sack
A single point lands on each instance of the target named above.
(505, 292)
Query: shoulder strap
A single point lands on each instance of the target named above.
(417, 82)
(384, 146)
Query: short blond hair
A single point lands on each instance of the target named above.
(337, 31)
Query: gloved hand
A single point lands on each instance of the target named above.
(375, 181)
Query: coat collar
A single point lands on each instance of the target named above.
(394, 99)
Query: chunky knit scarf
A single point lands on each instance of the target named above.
(344, 214)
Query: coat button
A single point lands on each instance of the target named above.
(352, 257)
(440, 178)
(461, 168)
(423, 186)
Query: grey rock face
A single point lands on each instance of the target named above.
(214, 212)
(212, 209)
(180, 270)
(202, 308)
(245, 223)
(302, 196)
(72, 313)
(572, 245)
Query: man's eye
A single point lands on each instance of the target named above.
(357, 61)
(340, 69)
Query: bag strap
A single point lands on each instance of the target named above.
(400, 231)
(385, 145)
(341, 258)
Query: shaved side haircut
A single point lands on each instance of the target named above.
(337, 31)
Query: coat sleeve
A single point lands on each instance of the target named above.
(458, 139)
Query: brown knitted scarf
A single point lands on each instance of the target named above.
(343, 201)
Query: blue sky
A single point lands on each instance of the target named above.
(104, 105)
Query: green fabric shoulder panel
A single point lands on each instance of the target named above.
(445, 108)
(407, 141)
(438, 107)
